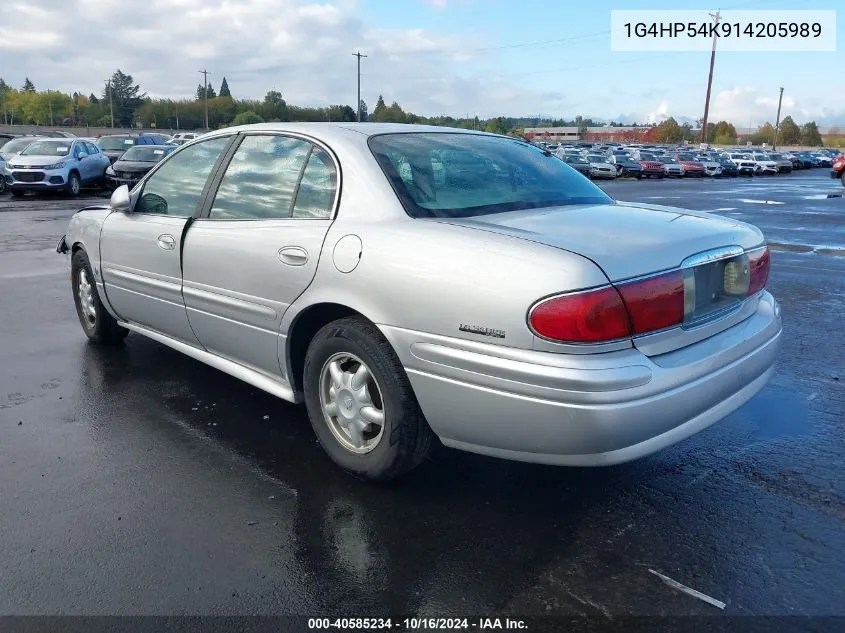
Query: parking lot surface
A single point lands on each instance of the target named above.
(138, 481)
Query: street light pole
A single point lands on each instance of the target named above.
(359, 55)
(716, 18)
(204, 74)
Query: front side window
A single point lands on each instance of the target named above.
(176, 188)
(91, 148)
(260, 181)
(449, 175)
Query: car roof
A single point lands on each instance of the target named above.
(328, 131)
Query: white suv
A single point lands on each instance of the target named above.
(51, 164)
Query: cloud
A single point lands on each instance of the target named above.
(302, 49)
(744, 105)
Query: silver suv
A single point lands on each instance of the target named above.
(51, 164)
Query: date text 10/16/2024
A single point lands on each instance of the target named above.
(416, 624)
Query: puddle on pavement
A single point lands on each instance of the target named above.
(780, 413)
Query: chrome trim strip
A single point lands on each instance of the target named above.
(713, 255)
(276, 387)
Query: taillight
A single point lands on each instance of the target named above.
(582, 317)
(759, 262)
(656, 302)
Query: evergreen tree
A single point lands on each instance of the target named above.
(224, 89)
(28, 86)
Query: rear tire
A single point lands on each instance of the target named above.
(393, 437)
(99, 326)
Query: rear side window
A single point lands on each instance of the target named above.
(317, 188)
(261, 179)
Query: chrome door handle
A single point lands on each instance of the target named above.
(293, 256)
(167, 242)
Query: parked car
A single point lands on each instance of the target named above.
(729, 168)
(671, 167)
(837, 170)
(578, 163)
(626, 166)
(712, 167)
(784, 164)
(765, 165)
(56, 164)
(691, 166)
(600, 168)
(114, 145)
(5, 138)
(652, 168)
(135, 163)
(407, 282)
(823, 160)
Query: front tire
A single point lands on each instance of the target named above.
(99, 326)
(74, 184)
(361, 404)
(2, 184)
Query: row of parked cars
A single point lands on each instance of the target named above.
(59, 161)
(653, 161)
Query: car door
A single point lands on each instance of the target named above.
(255, 248)
(78, 153)
(141, 250)
(99, 162)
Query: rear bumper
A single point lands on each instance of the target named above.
(585, 410)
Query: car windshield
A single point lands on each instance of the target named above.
(463, 175)
(776, 156)
(575, 159)
(686, 157)
(48, 148)
(647, 157)
(596, 158)
(16, 145)
(144, 154)
(111, 143)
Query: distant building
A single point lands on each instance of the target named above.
(561, 134)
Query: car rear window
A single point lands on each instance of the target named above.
(111, 143)
(454, 175)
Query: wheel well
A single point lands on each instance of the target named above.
(76, 247)
(307, 324)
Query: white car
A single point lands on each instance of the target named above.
(671, 167)
(711, 167)
(600, 168)
(765, 163)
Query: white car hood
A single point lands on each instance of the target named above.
(36, 161)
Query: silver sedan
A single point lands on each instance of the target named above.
(410, 282)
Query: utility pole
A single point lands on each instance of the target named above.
(716, 19)
(359, 55)
(204, 74)
(777, 121)
(111, 105)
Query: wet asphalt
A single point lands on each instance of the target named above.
(138, 481)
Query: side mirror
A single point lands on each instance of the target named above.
(120, 199)
(82, 155)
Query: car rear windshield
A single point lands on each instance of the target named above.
(454, 175)
(110, 143)
(144, 154)
(48, 148)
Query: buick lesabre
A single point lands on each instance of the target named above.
(408, 283)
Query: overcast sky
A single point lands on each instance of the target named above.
(458, 57)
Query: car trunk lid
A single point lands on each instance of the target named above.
(630, 241)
